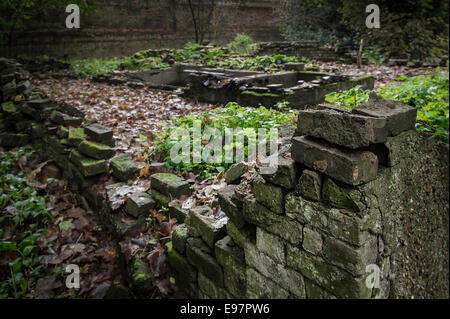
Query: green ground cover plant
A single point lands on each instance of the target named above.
(24, 214)
(231, 116)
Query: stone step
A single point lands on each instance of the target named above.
(170, 185)
(203, 222)
(139, 204)
(352, 167)
(64, 119)
(96, 150)
(100, 133)
(87, 166)
(75, 136)
(123, 167)
(40, 104)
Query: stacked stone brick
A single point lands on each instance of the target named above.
(317, 227)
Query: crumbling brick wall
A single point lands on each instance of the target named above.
(361, 192)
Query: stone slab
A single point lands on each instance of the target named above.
(170, 185)
(352, 167)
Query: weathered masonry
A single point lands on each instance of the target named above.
(360, 210)
(252, 88)
(361, 192)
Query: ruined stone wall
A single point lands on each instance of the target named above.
(308, 49)
(360, 190)
(121, 28)
(353, 190)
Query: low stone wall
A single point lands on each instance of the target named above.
(359, 210)
(307, 49)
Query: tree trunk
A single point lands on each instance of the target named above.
(194, 20)
(361, 44)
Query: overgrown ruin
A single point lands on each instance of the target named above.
(354, 192)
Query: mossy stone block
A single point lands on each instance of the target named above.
(170, 185)
(88, 166)
(184, 273)
(96, 150)
(123, 167)
(310, 185)
(139, 204)
(179, 237)
(201, 257)
(74, 136)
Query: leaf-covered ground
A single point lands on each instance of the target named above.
(135, 115)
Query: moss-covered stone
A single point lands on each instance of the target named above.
(200, 256)
(340, 197)
(37, 131)
(95, 150)
(340, 224)
(9, 107)
(99, 133)
(310, 185)
(233, 174)
(140, 274)
(285, 174)
(123, 167)
(14, 140)
(312, 241)
(65, 119)
(170, 185)
(209, 229)
(271, 245)
(228, 205)
(210, 289)
(353, 167)
(283, 226)
(179, 237)
(139, 204)
(23, 125)
(315, 292)
(269, 195)
(231, 258)
(161, 200)
(256, 94)
(74, 136)
(63, 132)
(184, 273)
(354, 260)
(88, 166)
(260, 287)
(240, 235)
(178, 213)
(337, 281)
(287, 278)
(121, 228)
